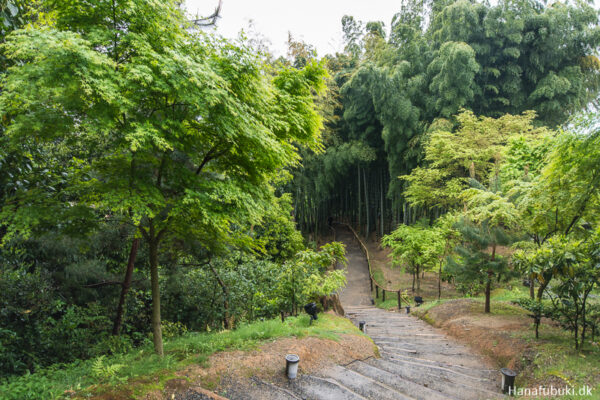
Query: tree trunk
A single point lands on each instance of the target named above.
(125, 287)
(366, 203)
(440, 282)
(382, 205)
(226, 323)
(583, 319)
(488, 292)
(418, 279)
(413, 281)
(488, 286)
(576, 327)
(541, 289)
(359, 203)
(532, 287)
(156, 328)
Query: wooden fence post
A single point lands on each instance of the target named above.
(376, 291)
(399, 299)
(383, 294)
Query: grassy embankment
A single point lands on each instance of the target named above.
(396, 278)
(140, 371)
(507, 337)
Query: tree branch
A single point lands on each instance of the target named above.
(210, 20)
(211, 155)
(108, 283)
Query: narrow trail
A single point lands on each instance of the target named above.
(357, 291)
(417, 361)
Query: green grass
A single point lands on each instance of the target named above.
(378, 277)
(555, 357)
(391, 301)
(429, 305)
(142, 364)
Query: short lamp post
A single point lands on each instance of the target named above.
(508, 380)
(311, 309)
(361, 325)
(291, 365)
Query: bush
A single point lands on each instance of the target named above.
(39, 330)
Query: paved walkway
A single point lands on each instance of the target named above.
(417, 361)
(357, 291)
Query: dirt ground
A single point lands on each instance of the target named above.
(490, 334)
(267, 363)
(498, 336)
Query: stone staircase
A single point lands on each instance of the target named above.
(417, 362)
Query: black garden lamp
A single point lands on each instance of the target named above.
(311, 309)
(508, 380)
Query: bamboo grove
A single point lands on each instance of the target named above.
(389, 91)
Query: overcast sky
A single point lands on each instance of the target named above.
(317, 22)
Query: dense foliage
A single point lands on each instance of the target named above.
(135, 145)
(439, 57)
(156, 179)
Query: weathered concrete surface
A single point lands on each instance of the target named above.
(357, 292)
(417, 361)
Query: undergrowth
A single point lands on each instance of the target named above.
(83, 378)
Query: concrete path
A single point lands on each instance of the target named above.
(417, 361)
(357, 291)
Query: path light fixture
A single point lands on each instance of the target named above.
(408, 309)
(291, 365)
(311, 309)
(361, 325)
(372, 301)
(508, 380)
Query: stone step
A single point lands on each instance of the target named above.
(443, 348)
(374, 311)
(403, 331)
(407, 387)
(453, 385)
(386, 321)
(428, 367)
(467, 361)
(317, 388)
(419, 338)
(364, 385)
(458, 366)
(258, 389)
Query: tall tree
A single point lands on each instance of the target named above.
(441, 56)
(165, 128)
